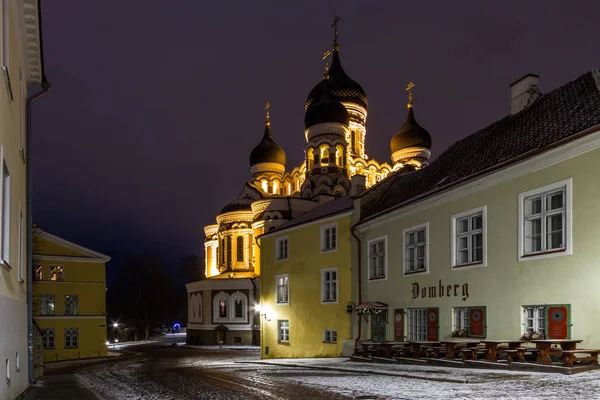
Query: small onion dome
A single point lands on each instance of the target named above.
(267, 151)
(236, 205)
(410, 135)
(339, 85)
(326, 110)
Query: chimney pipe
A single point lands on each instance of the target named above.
(523, 92)
(357, 184)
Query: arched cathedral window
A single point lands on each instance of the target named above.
(239, 248)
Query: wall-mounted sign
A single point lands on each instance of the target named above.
(440, 290)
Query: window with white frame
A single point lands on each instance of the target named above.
(239, 307)
(417, 324)
(47, 304)
(545, 220)
(281, 248)
(283, 289)
(469, 237)
(5, 248)
(283, 329)
(377, 258)
(535, 319)
(57, 273)
(329, 285)
(48, 338)
(329, 237)
(71, 338)
(329, 336)
(461, 319)
(415, 249)
(71, 305)
(221, 307)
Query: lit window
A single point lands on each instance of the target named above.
(47, 304)
(281, 248)
(545, 222)
(329, 237)
(38, 272)
(329, 336)
(56, 273)
(283, 289)
(283, 328)
(222, 309)
(377, 258)
(71, 305)
(5, 249)
(469, 237)
(415, 249)
(48, 338)
(329, 285)
(417, 324)
(71, 338)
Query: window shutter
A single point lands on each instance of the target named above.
(432, 324)
(399, 324)
(558, 321)
(477, 321)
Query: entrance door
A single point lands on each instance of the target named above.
(378, 326)
(221, 336)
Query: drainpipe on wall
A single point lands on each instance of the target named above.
(353, 230)
(46, 86)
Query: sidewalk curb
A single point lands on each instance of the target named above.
(356, 370)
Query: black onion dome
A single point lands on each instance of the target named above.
(340, 86)
(326, 109)
(410, 135)
(267, 151)
(236, 205)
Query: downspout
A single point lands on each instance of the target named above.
(353, 230)
(253, 308)
(46, 86)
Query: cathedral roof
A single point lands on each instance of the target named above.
(325, 109)
(562, 115)
(237, 205)
(267, 151)
(410, 135)
(339, 86)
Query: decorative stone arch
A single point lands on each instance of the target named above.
(322, 189)
(238, 303)
(273, 215)
(323, 179)
(218, 312)
(195, 308)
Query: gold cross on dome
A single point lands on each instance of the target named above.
(335, 29)
(410, 95)
(267, 106)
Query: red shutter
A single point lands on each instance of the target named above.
(399, 324)
(477, 321)
(557, 317)
(432, 324)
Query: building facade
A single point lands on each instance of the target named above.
(306, 284)
(335, 133)
(20, 65)
(497, 237)
(69, 298)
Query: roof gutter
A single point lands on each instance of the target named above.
(486, 171)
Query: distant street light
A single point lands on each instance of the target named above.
(116, 325)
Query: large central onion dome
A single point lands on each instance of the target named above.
(339, 85)
(267, 151)
(326, 109)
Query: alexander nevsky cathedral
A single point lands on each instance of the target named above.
(335, 164)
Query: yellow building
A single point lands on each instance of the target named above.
(307, 284)
(69, 307)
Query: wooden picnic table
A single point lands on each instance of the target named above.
(388, 346)
(491, 347)
(366, 346)
(465, 342)
(544, 346)
(416, 345)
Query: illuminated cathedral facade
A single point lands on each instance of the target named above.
(222, 307)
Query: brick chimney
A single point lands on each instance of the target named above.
(523, 92)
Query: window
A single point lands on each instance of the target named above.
(7, 370)
(283, 289)
(283, 329)
(239, 307)
(21, 260)
(461, 319)
(239, 249)
(469, 238)
(545, 221)
(535, 319)
(48, 338)
(329, 285)
(377, 258)
(417, 324)
(222, 309)
(238, 313)
(329, 237)
(38, 272)
(5, 249)
(47, 304)
(329, 336)
(281, 248)
(71, 338)
(71, 305)
(56, 273)
(17, 362)
(415, 249)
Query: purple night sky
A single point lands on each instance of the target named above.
(156, 105)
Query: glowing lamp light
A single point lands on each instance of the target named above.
(116, 325)
(116, 340)
(257, 307)
(176, 325)
(107, 343)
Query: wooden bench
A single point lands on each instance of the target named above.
(569, 356)
(439, 350)
(511, 353)
(469, 353)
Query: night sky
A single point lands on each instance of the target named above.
(156, 105)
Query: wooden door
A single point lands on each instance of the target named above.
(378, 326)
